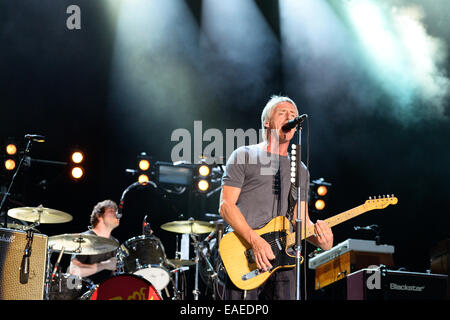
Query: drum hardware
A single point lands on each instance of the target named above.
(22, 227)
(196, 244)
(190, 226)
(178, 263)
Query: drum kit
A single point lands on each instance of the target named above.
(143, 270)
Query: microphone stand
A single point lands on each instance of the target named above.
(6, 194)
(132, 186)
(298, 222)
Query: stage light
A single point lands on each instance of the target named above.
(322, 190)
(319, 204)
(143, 179)
(202, 185)
(77, 157)
(10, 164)
(11, 149)
(77, 173)
(318, 195)
(76, 164)
(204, 170)
(144, 164)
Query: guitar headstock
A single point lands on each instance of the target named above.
(381, 202)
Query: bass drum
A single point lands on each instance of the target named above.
(145, 256)
(123, 287)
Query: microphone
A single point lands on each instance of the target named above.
(294, 122)
(25, 265)
(119, 210)
(146, 230)
(24, 269)
(35, 137)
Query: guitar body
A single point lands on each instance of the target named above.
(238, 258)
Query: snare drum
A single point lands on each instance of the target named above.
(145, 256)
(123, 287)
(68, 286)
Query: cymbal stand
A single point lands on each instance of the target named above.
(48, 274)
(212, 274)
(196, 243)
(177, 293)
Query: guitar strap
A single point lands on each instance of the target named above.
(291, 202)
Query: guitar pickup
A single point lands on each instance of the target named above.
(250, 255)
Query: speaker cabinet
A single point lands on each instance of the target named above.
(12, 247)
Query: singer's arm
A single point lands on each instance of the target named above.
(86, 270)
(233, 216)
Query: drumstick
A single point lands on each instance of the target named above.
(57, 262)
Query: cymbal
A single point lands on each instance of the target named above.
(85, 244)
(40, 214)
(181, 263)
(188, 226)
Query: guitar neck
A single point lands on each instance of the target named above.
(337, 219)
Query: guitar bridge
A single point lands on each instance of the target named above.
(250, 275)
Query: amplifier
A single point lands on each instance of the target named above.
(347, 257)
(12, 247)
(384, 284)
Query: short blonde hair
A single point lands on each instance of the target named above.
(267, 111)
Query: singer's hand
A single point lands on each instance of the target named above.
(262, 251)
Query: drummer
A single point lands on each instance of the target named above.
(98, 267)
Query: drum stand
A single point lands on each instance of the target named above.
(196, 292)
(47, 275)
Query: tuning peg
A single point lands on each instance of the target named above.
(293, 152)
(294, 146)
(370, 198)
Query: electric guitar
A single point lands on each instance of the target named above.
(238, 258)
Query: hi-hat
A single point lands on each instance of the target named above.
(188, 226)
(83, 244)
(181, 263)
(22, 227)
(39, 214)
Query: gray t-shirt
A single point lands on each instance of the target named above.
(264, 180)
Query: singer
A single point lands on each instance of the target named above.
(98, 267)
(254, 192)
